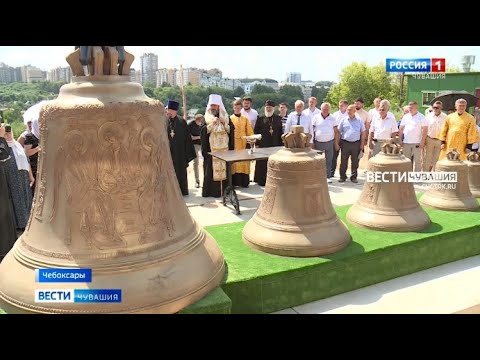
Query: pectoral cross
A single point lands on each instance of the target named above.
(172, 133)
(271, 131)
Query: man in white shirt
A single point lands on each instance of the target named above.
(312, 109)
(435, 122)
(339, 115)
(406, 110)
(342, 112)
(298, 118)
(413, 131)
(361, 113)
(376, 105)
(382, 127)
(326, 136)
(247, 110)
(282, 111)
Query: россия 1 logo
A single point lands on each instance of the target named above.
(432, 65)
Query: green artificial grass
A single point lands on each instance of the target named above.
(216, 302)
(258, 282)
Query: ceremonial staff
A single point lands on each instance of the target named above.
(184, 98)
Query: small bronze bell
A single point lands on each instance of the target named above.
(387, 201)
(296, 216)
(451, 196)
(473, 163)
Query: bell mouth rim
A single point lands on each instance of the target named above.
(91, 78)
(386, 154)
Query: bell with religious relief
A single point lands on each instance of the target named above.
(455, 196)
(388, 201)
(296, 216)
(107, 199)
(473, 163)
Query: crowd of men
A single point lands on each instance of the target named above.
(350, 132)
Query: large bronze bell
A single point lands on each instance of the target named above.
(296, 216)
(388, 200)
(451, 196)
(473, 163)
(108, 200)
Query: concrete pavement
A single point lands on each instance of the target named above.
(446, 289)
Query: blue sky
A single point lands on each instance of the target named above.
(313, 62)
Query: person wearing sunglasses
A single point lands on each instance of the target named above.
(435, 120)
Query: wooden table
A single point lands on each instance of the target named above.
(232, 156)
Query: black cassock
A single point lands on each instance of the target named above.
(8, 233)
(262, 126)
(210, 187)
(181, 149)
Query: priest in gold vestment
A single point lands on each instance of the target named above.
(241, 169)
(459, 131)
(217, 135)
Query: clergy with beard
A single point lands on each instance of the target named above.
(217, 135)
(240, 169)
(8, 234)
(181, 145)
(270, 127)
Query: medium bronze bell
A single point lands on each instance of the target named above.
(388, 200)
(108, 200)
(451, 196)
(296, 216)
(473, 163)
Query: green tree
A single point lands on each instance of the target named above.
(450, 68)
(361, 80)
(320, 93)
(291, 91)
(325, 83)
(149, 84)
(13, 114)
(260, 99)
(148, 91)
(262, 89)
(238, 92)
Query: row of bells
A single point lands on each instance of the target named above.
(296, 216)
(107, 199)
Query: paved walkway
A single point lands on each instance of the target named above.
(446, 289)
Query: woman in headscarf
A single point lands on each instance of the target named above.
(32, 139)
(8, 235)
(20, 180)
(28, 130)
